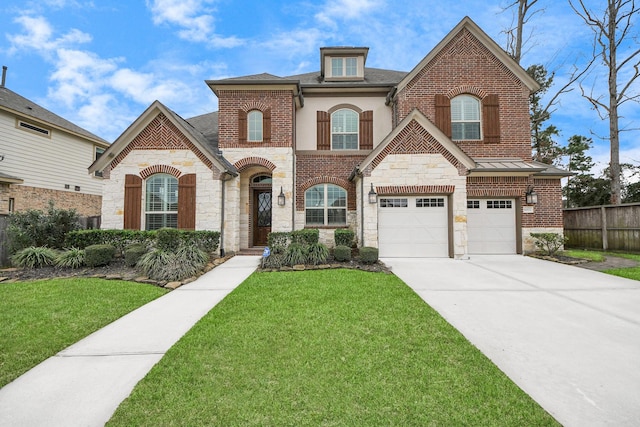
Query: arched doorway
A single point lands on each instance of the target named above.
(261, 206)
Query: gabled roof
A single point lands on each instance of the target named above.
(487, 41)
(21, 106)
(373, 77)
(206, 144)
(429, 127)
(8, 179)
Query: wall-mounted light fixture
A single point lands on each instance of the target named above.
(373, 197)
(531, 196)
(281, 197)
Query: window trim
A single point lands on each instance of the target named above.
(344, 66)
(356, 133)
(255, 118)
(463, 119)
(96, 156)
(325, 207)
(165, 212)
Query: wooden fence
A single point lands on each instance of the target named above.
(615, 228)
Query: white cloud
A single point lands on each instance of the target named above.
(334, 10)
(194, 18)
(38, 36)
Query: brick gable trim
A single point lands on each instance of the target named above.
(248, 162)
(151, 170)
(324, 180)
(387, 190)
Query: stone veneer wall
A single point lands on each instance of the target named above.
(26, 198)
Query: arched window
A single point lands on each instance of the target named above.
(161, 202)
(344, 130)
(465, 118)
(254, 123)
(325, 204)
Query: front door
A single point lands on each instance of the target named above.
(261, 216)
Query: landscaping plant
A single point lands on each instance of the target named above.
(36, 228)
(342, 253)
(71, 258)
(317, 254)
(34, 257)
(549, 243)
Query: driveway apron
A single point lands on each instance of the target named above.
(569, 337)
(85, 383)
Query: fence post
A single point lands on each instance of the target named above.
(605, 237)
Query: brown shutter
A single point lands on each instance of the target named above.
(366, 130)
(187, 202)
(443, 114)
(266, 125)
(242, 126)
(132, 202)
(324, 130)
(491, 119)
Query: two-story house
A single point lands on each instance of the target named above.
(44, 157)
(435, 162)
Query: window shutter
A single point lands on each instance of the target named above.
(132, 202)
(187, 202)
(443, 114)
(366, 130)
(242, 126)
(324, 130)
(266, 125)
(491, 119)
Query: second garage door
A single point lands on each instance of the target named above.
(414, 226)
(491, 226)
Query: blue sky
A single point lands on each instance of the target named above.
(101, 63)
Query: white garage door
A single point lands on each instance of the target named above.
(413, 226)
(491, 226)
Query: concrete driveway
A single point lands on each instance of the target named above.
(568, 336)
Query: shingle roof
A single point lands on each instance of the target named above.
(372, 77)
(17, 104)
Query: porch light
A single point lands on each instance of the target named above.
(281, 197)
(373, 197)
(531, 196)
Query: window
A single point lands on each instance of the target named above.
(430, 203)
(12, 204)
(344, 67)
(473, 204)
(465, 118)
(161, 207)
(499, 204)
(98, 152)
(325, 204)
(393, 203)
(254, 131)
(344, 130)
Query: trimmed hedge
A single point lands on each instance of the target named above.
(97, 255)
(306, 236)
(133, 252)
(344, 237)
(342, 253)
(368, 255)
(278, 241)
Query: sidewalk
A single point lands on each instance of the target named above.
(84, 384)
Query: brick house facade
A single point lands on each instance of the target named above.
(433, 162)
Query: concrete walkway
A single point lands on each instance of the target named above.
(568, 336)
(84, 384)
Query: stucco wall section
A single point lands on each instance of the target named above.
(207, 186)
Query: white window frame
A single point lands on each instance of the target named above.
(339, 129)
(344, 66)
(465, 111)
(97, 152)
(169, 217)
(255, 131)
(322, 204)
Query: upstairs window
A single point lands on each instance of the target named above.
(465, 118)
(254, 123)
(99, 151)
(161, 206)
(325, 204)
(344, 67)
(344, 130)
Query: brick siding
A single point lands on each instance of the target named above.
(26, 198)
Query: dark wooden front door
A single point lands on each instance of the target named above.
(261, 216)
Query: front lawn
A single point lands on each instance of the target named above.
(332, 348)
(41, 318)
(632, 273)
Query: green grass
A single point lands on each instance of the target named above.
(41, 318)
(632, 273)
(326, 348)
(583, 254)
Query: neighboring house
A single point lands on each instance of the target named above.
(44, 157)
(435, 162)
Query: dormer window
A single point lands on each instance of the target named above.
(344, 67)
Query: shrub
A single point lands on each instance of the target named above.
(71, 258)
(168, 239)
(317, 254)
(368, 255)
(306, 236)
(97, 255)
(273, 261)
(206, 240)
(344, 237)
(278, 241)
(133, 252)
(295, 254)
(342, 253)
(117, 238)
(34, 228)
(549, 243)
(152, 263)
(34, 257)
(167, 266)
